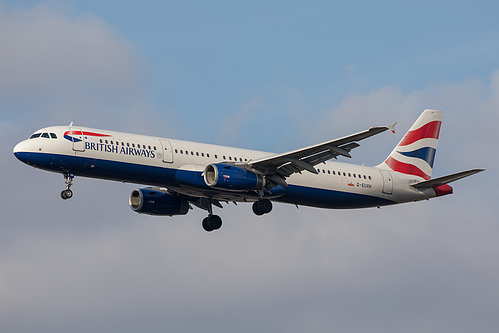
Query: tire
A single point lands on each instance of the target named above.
(207, 224)
(212, 222)
(216, 222)
(261, 207)
(265, 205)
(66, 194)
(256, 209)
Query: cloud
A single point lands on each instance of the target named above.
(45, 50)
(58, 68)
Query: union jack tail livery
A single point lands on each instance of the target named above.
(415, 153)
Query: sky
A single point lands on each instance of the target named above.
(273, 76)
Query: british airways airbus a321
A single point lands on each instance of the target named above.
(183, 173)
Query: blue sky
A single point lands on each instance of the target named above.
(274, 76)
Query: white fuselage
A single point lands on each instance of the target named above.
(178, 165)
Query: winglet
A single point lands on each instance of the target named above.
(392, 127)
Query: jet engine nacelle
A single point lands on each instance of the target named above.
(232, 178)
(148, 201)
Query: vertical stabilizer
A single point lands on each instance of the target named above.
(415, 153)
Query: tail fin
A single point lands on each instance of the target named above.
(415, 153)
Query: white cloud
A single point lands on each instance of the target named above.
(44, 50)
(56, 68)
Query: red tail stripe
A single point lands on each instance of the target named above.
(442, 190)
(428, 131)
(408, 169)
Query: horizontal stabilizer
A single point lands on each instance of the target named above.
(445, 179)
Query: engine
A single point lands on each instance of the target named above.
(148, 201)
(232, 178)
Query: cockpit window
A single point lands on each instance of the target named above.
(53, 136)
(45, 135)
(36, 135)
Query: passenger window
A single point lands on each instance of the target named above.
(369, 177)
(334, 173)
(100, 140)
(176, 151)
(202, 154)
(197, 153)
(154, 147)
(150, 148)
(36, 135)
(329, 172)
(112, 142)
(207, 155)
(192, 153)
(133, 145)
(344, 174)
(181, 151)
(122, 143)
(53, 136)
(354, 176)
(224, 157)
(128, 144)
(349, 175)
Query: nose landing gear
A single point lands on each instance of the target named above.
(67, 193)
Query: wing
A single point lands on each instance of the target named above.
(278, 167)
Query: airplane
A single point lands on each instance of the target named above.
(181, 174)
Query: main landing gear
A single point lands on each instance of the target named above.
(67, 193)
(211, 222)
(262, 206)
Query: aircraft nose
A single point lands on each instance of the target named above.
(21, 149)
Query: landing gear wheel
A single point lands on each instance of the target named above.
(261, 207)
(212, 222)
(68, 179)
(66, 194)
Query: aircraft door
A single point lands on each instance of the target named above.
(387, 181)
(167, 151)
(78, 139)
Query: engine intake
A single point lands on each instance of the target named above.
(232, 178)
(147, 201)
